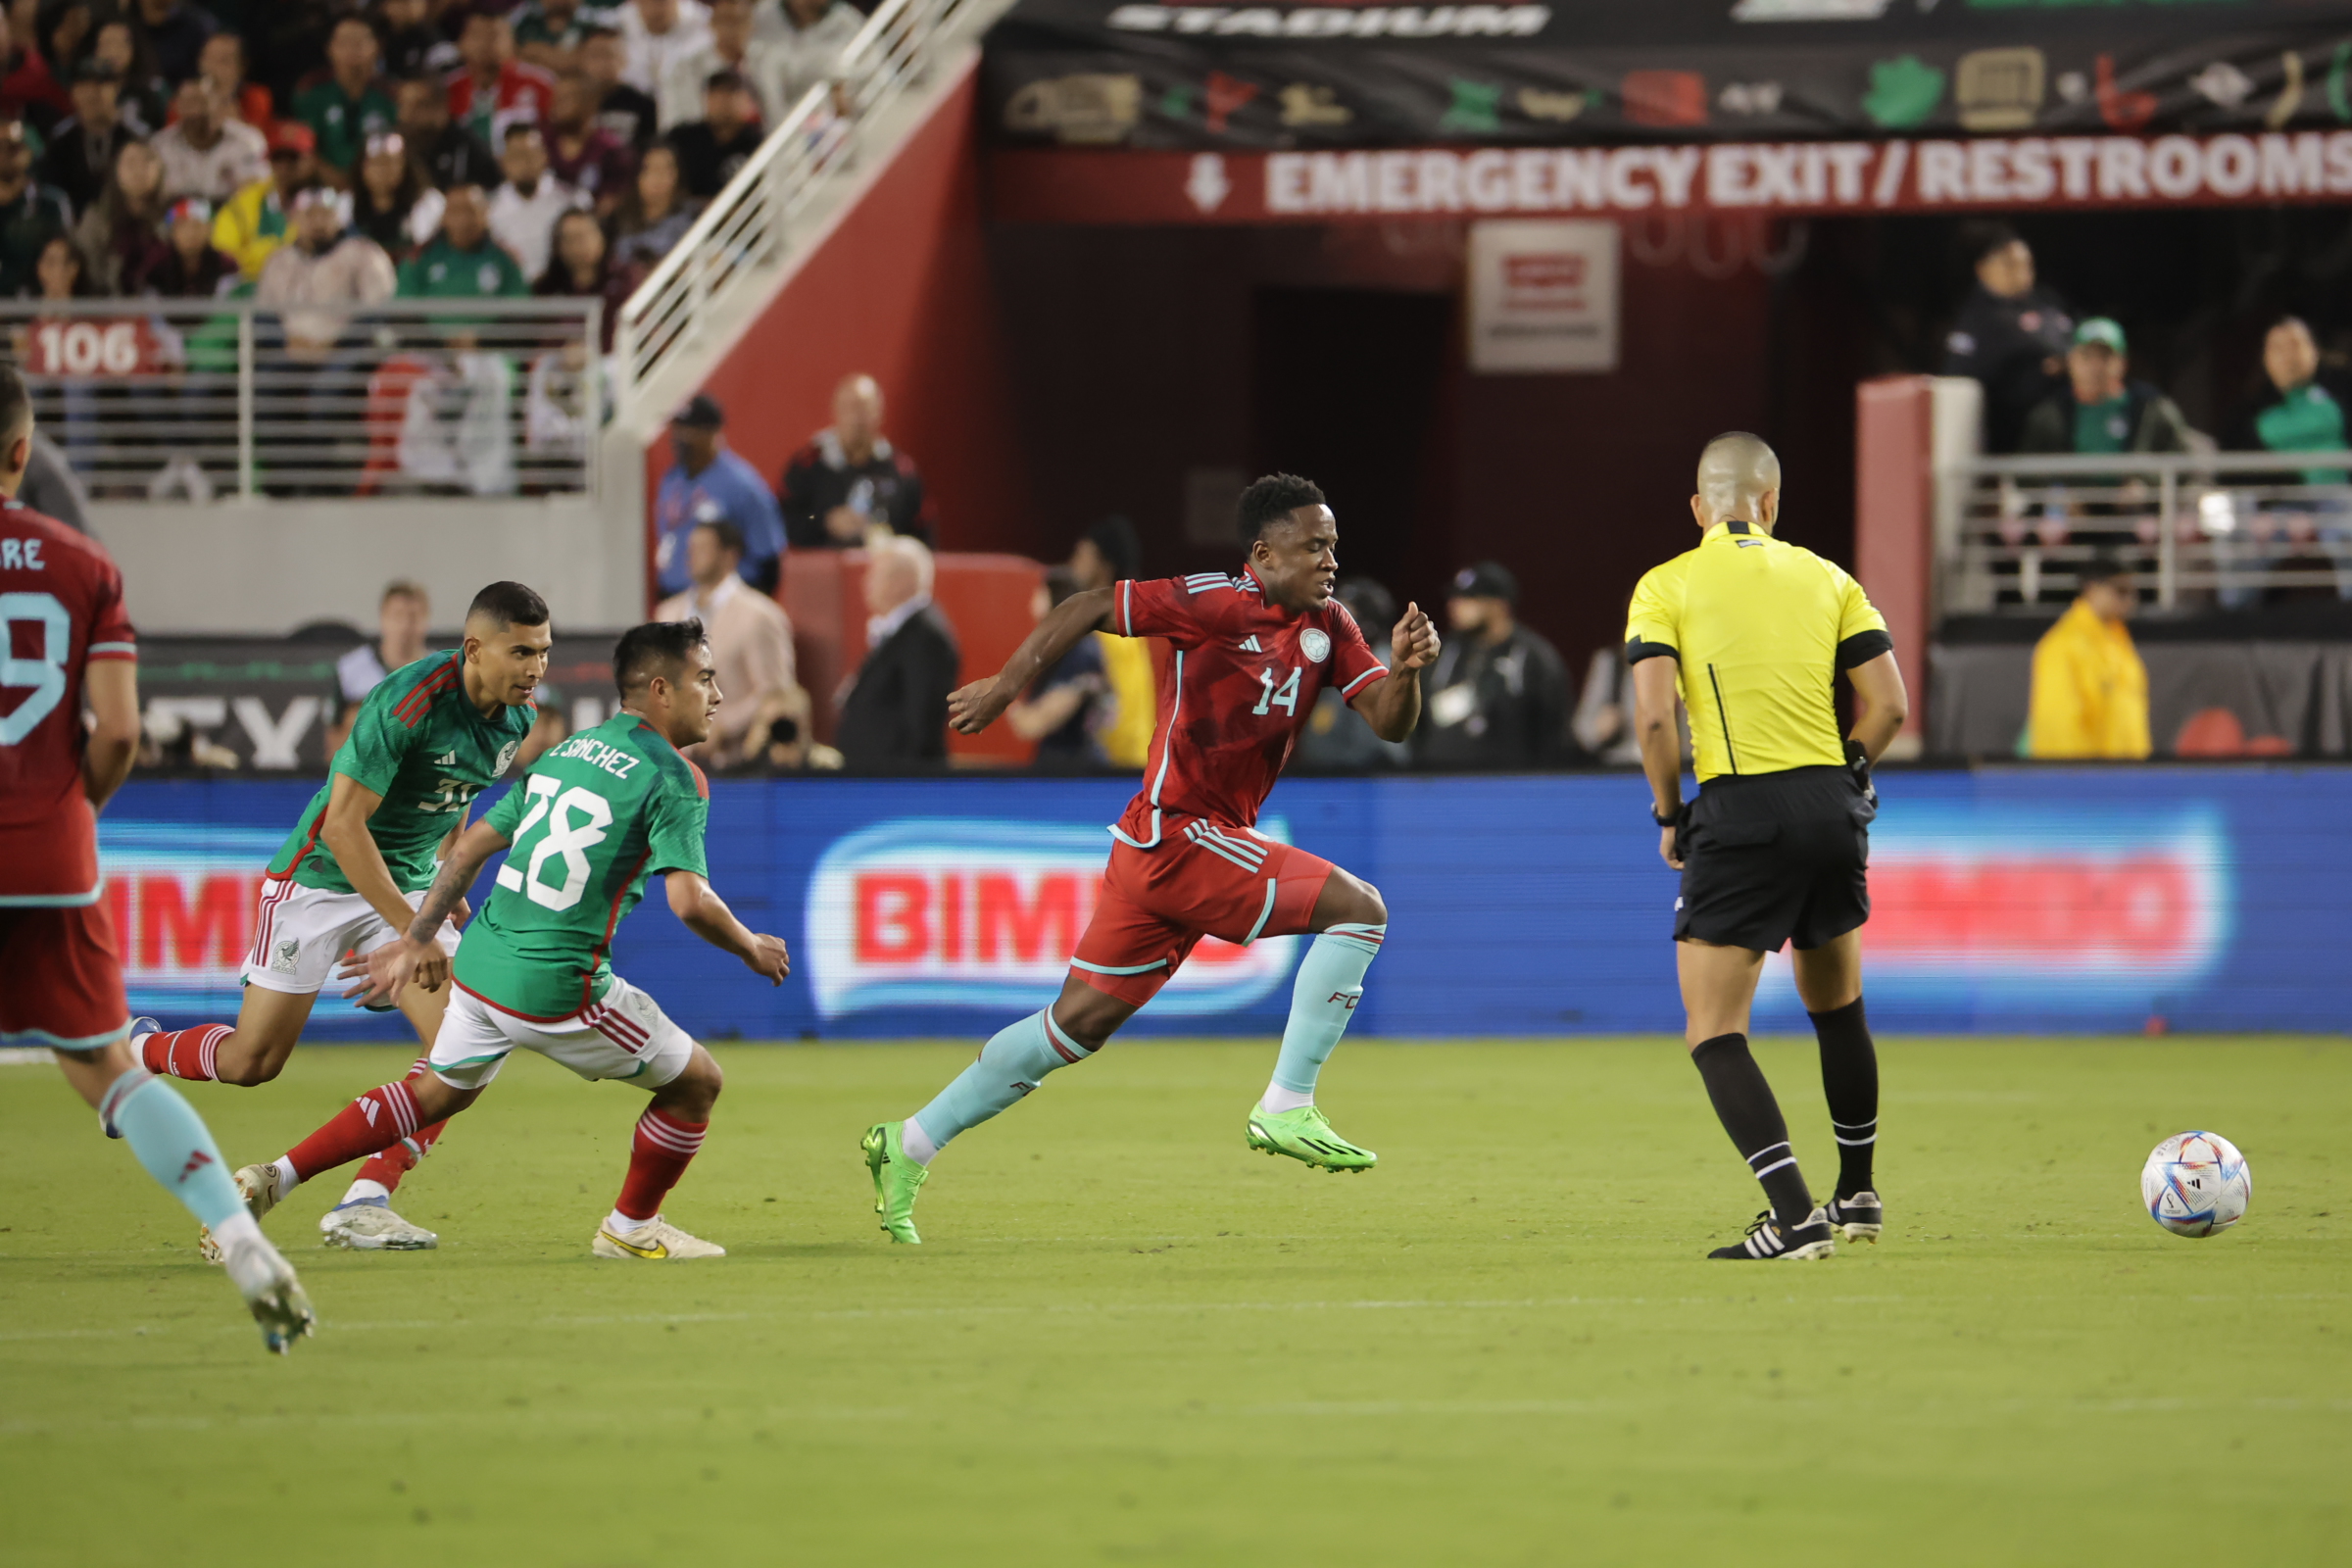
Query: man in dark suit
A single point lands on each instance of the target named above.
(894, 715)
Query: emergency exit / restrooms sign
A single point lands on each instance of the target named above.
(1543, 297)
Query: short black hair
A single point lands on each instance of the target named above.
(509, 603)
(2102, 568)
(656, 648)
(1115, 536)
(16, 400)
(1272, 499)
(1984, 236)
(729, 536)
(1369, 601)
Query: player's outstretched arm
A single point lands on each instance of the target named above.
(350, 807)
(1881, 704)
(416, 956)
(112, 686)
(1392, 706)
(703, 913)
(1661, 740)
(972, 709)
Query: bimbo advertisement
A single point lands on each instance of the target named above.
(2005, 899)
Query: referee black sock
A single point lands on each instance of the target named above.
(1849, 1081)
(1743, 1104)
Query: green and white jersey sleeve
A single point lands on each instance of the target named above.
(586, 826)
(420, 744)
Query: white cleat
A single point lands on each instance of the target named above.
(372, 1227)
(272, 1293)
(656, 1241)
(258, 1184)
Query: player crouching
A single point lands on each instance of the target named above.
(587, 825)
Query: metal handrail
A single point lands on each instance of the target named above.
(743, 231)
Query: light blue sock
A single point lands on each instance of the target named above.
(1331, 982)
(1010, 1065)
(170, 1139)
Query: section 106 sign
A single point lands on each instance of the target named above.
(959, 912)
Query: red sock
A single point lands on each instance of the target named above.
(401, 1158)
(184, 1053)
(376, 1120)
(657, 1157)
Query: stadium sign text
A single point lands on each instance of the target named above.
(1793, 178)
(953, 913)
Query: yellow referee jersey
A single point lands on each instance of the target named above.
(1758, 631)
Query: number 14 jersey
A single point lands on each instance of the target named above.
(1242, 682)
(585, 827)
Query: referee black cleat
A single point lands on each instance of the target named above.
(1861, 1216)
(1767, 1243)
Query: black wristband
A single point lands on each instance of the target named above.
(1682, 814)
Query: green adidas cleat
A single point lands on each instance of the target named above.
(897, 1179)
(1305, 1135)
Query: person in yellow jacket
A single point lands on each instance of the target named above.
(255, 221)
(2090, 690)
(1110, 552)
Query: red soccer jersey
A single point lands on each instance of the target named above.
(60, 605)
(1244, 681)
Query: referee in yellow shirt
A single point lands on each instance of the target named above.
(1751, 633)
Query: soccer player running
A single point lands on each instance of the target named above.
(424, 743)
(68, 645)
(592, 820)
(1253, 652)
(1752, 632)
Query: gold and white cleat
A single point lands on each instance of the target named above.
(259, 1185)
(374, 1228)
(656, 1241)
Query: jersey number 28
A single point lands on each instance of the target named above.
(576, 820)
(45, 674)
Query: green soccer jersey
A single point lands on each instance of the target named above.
(587, 825)
(418, 742)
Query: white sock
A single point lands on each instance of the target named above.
(917, 1143)
(621, 1224)
(1278, 1099)
(245, 1253)
(285, 1175)
(365, 1191)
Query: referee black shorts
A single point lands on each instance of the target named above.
(1776, 858)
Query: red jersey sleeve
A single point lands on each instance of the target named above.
(1354, 667)
(111, 636)
(1160, 607)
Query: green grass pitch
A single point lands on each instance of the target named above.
(1130, 1340)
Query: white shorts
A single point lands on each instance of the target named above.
(626, 1035)
(301, 934)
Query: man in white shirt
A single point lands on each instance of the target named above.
(732, 47)
(805, 39)
(206, 152)
(751, 642)
(655, 32)
(524, 209)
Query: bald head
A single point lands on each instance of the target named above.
(1738, 476)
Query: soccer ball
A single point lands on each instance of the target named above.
(2195, 1184)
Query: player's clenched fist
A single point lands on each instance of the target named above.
(768, 959)
(1415, 640)
(972, 709)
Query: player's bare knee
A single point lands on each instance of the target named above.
(247, 1069)
(693, 1093)
(1350, 899)
(1091, 1019)
(437, 1101)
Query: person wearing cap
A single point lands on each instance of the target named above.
(2090, 689)
(463, 262)
(2102, 410)
(493, 89)
(1109, 553)
(81, 149)
(711, 149)
(709, 480)
(1498, 693)
(254, 222)
(324, 264)
(2010, 335)
(351, 105)
(524, 209)
(732, 47)
(205, 152)
(31, 214)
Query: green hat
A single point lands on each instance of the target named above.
(2103, 331)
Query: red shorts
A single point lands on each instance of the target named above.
(61, 979)
(1204, 879)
